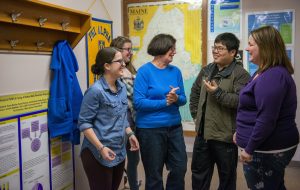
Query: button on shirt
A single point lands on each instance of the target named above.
(106, 113)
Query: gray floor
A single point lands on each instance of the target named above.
(292, 176)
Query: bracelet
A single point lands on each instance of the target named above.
(101, 148)
(130, 134)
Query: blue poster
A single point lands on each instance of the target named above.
(283, 21)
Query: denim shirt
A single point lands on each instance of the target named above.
(106, 113)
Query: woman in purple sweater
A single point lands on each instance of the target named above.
(266, 128)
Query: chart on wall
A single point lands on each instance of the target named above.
(183, 21)
(283, 21)
(224, 16)
(98, 37)
(26, 159)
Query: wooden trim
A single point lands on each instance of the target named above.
(189, 133)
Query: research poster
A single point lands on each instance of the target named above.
(35, 151)
(9, 155)
(283, 21)
(29, 160)
(224, 16)
(61, 164)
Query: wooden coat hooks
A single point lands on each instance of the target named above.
(35, 26)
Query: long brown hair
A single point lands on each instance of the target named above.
(272, 51)
(118, 42)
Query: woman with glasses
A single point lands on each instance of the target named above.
(158, 94)
(129, 72)
(103, 120)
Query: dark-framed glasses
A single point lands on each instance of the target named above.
(127, 49)
(120, 61)
(218, 48)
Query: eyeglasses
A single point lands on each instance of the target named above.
(120, 61)
(127, 49)
(218, 48)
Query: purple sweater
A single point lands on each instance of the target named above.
(267, 111)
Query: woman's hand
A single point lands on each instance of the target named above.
(107, 153)
(172, 97)
(234, 138)
(134, 143)
(245, 157)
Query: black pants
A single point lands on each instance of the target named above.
(101, 177)
(208, 153)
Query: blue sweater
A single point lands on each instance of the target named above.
(149, 96)
(267, 111)
(65, 94)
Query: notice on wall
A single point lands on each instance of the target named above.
(35, 151)
(283, 21)
(17, 104)
(224, 16)
(9, 155)
(61, 164)
(98, 37)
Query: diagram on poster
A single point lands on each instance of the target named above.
(9, 155)
(35, 151)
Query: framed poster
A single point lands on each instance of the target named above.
(98, 37)
(282, 20)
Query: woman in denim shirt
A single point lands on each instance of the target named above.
(103, 120)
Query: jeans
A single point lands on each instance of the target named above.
(266, 171)
(133, 158)
(208, 153)
(161, 146)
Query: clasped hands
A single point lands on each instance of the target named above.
(172, 97)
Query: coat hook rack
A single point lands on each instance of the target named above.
(42, 21)
(14, 16)
(13, 43)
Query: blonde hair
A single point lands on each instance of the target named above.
(272, 49)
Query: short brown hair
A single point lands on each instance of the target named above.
(161, 44)
(272, 49)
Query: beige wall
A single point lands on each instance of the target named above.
(24, 72)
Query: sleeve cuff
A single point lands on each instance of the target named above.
(85, 126)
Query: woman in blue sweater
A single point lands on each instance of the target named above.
(266, 128)
(158, 93)
(103, 121)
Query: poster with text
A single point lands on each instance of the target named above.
(283, 21)
(62, 173)
(224, 16)
(35, 151)
(98, 37)
(9, 155)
